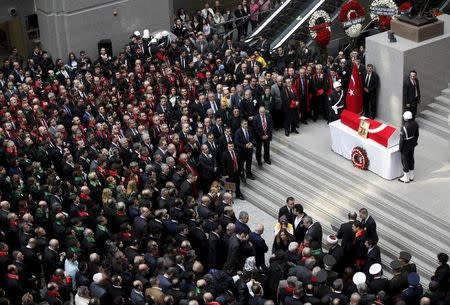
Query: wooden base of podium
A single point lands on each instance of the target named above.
(417, 33)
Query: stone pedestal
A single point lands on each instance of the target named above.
(417, 33)
(393, 61)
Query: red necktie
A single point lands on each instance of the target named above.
(235, 164)
(264, 124)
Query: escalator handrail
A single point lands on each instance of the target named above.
(315, 7)
(268, 20)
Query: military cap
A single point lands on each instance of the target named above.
(405, 256)
(322, 276)
(329, 260)
(359, 278)
(375, 269)
(395, 264)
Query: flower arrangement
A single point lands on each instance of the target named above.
(319, 21)
(405, 8)
(359, 158)
(319, 28)
(383, 11)
(352, 16)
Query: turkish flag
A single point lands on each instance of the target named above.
(354, 99)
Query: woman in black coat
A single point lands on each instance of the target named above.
(282, 240)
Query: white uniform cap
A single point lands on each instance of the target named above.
(359, 278)
(375, 269)
(146, 34)
(337, 84)
(407, 115)
(137, 33)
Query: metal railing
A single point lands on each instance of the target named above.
(241, 19)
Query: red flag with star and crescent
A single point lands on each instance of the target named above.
(354, 99)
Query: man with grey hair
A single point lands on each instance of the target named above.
(241, 223)
(259, 244)
(366, 298)
(82, 296)
(314, 230)
(355, 299)
(290, 283)
(338, 285)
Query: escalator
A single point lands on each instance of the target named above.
(445, 8)
(290, 21)
(283, 17)
(300, 30)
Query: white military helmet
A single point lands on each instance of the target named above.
(407, 115)
(337, 84)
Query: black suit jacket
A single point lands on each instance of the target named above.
(373, 257)
(409, 92)
(292, 301)
(140, 227)
(347, 235)
(284, 211)
(371, 229)
(258, 128)
(374, 82)
(207, 166)
(241, 141)
(315, 231)
(260, 246)
(227, 164)
(248, 108)
(299, 230)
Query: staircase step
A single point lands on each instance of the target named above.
(436, 118)
(446, 92)
(439, 108)
(442, 100)
(433, 128)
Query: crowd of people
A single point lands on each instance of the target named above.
(111, 176)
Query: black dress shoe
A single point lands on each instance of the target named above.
(259, 163)
(295, 131)
(240, 196)
(251, 177)
(243, 179)
(304, 122)
(268, 162)
(286, 133)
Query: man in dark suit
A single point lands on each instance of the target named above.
(295, 298)
(347, 236)
(259, 244)
(299, 227)
(263, 127)
(236, 256)
(289, 105)
(411, 93)
(140, 224)
(369, 225)
(373, 255)
(230, 168)
(208, 168)
(371, 84)
(214, 246)
(313, 229)
(287, 210)
(244, 141)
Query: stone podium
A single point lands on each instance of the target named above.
(393, 61)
